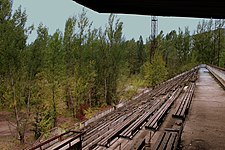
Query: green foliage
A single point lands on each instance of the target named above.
(12, 67)
(108, 61)
(43, 121)
(70, 73)
(5, 10)
(156, 72)
(209, 41)
(135, 55)
(129, 87)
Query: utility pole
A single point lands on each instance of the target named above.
(154, 33)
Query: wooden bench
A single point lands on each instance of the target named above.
(96, 133)
(167, 141)
(140, 122)
(183, 107)
(114, 132)
(156, 119)
(135, 126)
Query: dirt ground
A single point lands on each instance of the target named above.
(205, 124)
(8, 136)
(7, 140)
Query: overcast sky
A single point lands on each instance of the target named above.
(54, 13)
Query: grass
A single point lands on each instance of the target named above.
(129, 87)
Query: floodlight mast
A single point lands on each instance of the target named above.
(154, 33)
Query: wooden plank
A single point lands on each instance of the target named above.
(130, 130)
(159, 141)
(184, 105)
(158, 114)
(172, 142)
(183, 112)
(184, 99)
(165, 141)
(192, 93)
(172, 130)
(113, 133)
(181, 105)
(154, 121)
(141, 145)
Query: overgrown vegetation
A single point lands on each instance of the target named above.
(81, 68)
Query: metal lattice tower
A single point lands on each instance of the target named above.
(154, 27)
(154, 33)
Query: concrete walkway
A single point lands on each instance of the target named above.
(204, 127)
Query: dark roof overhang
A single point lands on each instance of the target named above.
(177, 8)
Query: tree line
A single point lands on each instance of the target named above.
(66, 73)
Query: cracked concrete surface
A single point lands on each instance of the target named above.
(205, 124)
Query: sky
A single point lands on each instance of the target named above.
(54, 13)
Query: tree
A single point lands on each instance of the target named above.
(155, 72)
(114, 40)
(54, 70)
(219, 46)
(141, 56)
(170, 54)
(68, 48)
(132, 56)
(13, 43)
